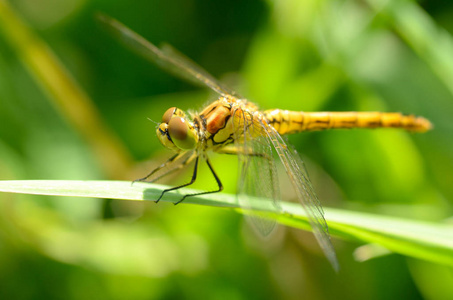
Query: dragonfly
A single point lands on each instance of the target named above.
(233, 125)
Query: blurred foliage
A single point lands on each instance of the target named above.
(300, 55)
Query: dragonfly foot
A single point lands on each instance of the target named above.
(139, 180)
(160, 197)
(179, 201)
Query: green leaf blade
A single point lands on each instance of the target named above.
(428, 241)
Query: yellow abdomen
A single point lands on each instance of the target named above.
(287, 122)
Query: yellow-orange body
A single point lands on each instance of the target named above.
(226, 119)
(288, 122)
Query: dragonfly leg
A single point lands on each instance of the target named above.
(194, 177)
(165, 164)
(180, 166)
(217, 179)
(170, 160)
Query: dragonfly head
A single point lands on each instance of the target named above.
(176, 132)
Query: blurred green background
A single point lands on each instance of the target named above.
(74, 104)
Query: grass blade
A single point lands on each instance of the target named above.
(429, 241)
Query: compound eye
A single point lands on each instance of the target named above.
(177, 128)
(180, 133)
(168, 114)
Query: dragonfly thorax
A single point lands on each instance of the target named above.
(176, 131)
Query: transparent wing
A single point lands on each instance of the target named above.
(202, 77)
(305, 193)
(167, 57)
(257, 172)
